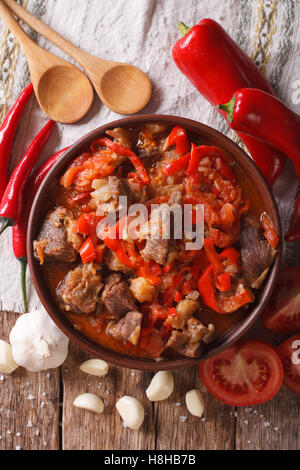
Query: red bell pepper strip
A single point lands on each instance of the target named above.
(293, 233)
(11, 203)
(179, 138)
(120, 150)
(269, 231)
(194, 162)
(206, 289)
(7, 133)
(231, 254)
(212, 256)
(177, 165)
(151, 271)
(87, 224)
(223, 282)
(87, 251)
(78, 198)
(217, 67)
(19, 230)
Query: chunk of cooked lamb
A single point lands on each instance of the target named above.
(184, 310)
(117, 187)
(57, 240)
(126, 329)
(117, 296)
(123, 136)
(141, 289)
(188, 341)
(111, 260)
(80, 288)
(256, 253)
(157, 248)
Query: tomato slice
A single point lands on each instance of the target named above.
(289, 353)
(282, 314)
(248, 373)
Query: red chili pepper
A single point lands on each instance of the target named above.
(19, 230)
(11, 203)
(179, 138)
(217, 67)
(177, 165)
(293, 233)
(120, 150)
(7, 133)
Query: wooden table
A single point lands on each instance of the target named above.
(36, 412)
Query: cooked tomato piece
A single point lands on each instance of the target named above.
(289, 353)
(282, 314)
(248, 373)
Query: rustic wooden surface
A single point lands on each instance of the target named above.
(36, 412)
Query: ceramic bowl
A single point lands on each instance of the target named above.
(251, 177)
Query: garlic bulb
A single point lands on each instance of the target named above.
(37, 343)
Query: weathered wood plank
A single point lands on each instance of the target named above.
(85, 430)
(272, 425)
(177, 429)
(29, 404)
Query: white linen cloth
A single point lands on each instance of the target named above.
(142, 32)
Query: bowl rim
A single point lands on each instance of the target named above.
(95, 349)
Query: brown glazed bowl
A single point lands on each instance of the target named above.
(250, 175)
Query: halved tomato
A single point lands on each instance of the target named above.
(282, 314)
(248, 373)
(289, 353)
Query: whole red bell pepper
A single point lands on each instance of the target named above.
(217, 67)
(260, 114)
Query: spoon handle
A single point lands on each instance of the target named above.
(14, 27)
(48, 33)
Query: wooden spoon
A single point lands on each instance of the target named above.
(122, 87)
(63, 91)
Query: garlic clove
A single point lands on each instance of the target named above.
(194, 402)
(95, 367)
(7, 363)
(89, 401)
(161, 386)
(131, 411)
